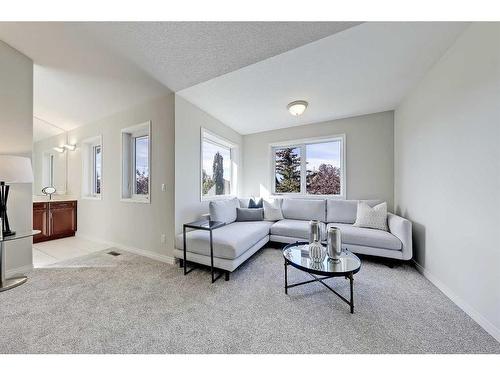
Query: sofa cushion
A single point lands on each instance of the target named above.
(367, 237)
(224, 210)
(304, 209)
(244, 202)
(344, 211)
(230, 241)
(295, 229)
(291, 228)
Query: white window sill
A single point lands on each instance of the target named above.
(308, 196)
(92, 198)
(136, 200)
(217, 198)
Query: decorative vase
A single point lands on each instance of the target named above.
(334, 244)
(314, 231)
(317, 252)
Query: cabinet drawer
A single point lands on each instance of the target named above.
(40, 206)
(62, 205)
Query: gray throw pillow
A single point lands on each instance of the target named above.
(249, 214)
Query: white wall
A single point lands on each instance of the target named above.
(189, 120)
(16, 129)
(447, 172)
(369, 155)
(132, 225)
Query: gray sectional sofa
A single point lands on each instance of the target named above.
(237, 241)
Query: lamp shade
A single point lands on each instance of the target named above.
(15, 169)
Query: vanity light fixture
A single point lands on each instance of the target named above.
(59, 149)
(70, 147)
(297, 107)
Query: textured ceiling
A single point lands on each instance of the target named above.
(365, 69)
(86, 71)
(182, 54)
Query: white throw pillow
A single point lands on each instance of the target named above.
(272, 210)
(371, 217)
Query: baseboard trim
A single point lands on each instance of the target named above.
(18, 271)
(134, 250)
(468, 309)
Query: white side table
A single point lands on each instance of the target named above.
(6, 284)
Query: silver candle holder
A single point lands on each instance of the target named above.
(334, 244)
(314, 231)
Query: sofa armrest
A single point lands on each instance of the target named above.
(402, 229)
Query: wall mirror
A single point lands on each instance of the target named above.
(50, 157)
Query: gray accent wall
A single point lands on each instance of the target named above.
(16, 129)
(447, 172)
(369, 155)
(189, 120)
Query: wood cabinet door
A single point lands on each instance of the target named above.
(41, 221)
(62, 219)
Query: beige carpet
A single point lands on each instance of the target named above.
(130, 304)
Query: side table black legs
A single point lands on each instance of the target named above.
(207, 226)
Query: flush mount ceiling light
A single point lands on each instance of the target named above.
(70, 147)
(59, 149)
(297, 107)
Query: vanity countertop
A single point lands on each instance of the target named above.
(55, 198)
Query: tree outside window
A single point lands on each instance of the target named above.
(312, 168)
(216, 168)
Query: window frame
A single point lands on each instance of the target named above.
(128, 193)
(215, 139)
(89, 168)
(302, 145)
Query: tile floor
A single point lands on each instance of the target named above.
(50, 252)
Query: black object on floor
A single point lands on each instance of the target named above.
(114, 253)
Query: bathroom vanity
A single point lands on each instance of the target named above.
(54, 219)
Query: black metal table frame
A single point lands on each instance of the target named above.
(312, 273)
(212, 268)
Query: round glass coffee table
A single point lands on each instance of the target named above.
(297, 255)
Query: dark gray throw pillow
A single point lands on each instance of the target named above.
(249, 214)
(258, 204)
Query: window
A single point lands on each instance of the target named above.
(92, 168)
(312, 167)
(217, 167)
(97, 169)
(136, 156)
(141, 165)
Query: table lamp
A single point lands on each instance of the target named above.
(13, 170)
